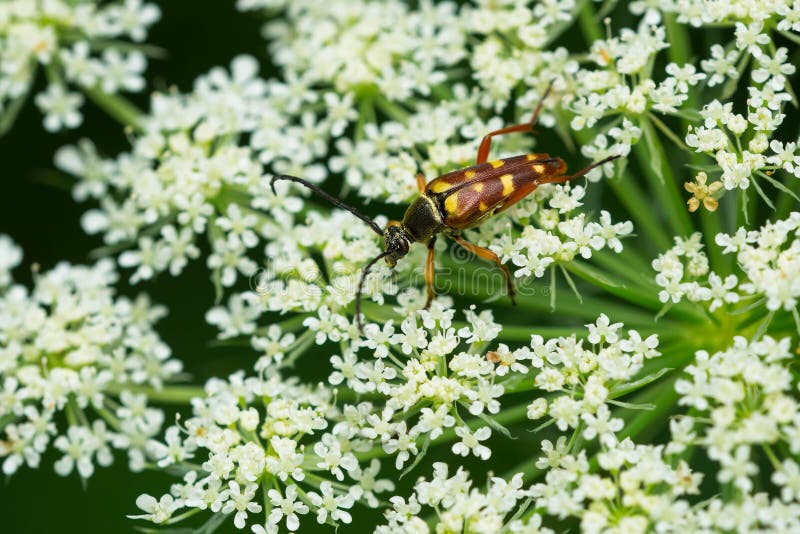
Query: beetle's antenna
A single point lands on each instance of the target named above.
(562, 179)
(361, 287)
(333, 200)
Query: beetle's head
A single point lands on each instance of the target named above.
(397, 243)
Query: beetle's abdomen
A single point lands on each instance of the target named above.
(423, 220)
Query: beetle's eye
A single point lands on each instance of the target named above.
(402, 246)
(398, 247)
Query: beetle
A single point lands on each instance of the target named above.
(459, 200)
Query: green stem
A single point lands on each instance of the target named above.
(119, 108)
(165, 395)
(591, 30)
(776, 464)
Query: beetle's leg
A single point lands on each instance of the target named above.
(430, 273)
(421, 182)
(486, 142)
(487, 254)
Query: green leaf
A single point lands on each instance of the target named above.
(778, 185)
(656, 163)
(631, 406)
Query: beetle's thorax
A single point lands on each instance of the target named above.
(423, 219)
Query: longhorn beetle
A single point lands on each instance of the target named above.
(459, 200)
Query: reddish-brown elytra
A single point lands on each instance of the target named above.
(458, 200)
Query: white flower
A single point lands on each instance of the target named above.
(60, 107)
(286, 505)
(470, 442)
(157, 511)
(241, 501)
(601, 424)
(603, 330)
(328, 503)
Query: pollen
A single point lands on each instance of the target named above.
(508, 184)
(497, 163)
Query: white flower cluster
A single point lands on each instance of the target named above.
(513, 55)
(65, 37)
(359, 46)
(315, 268)
(684, 272)
(626, 86)
(583, 382)
(724, 131)
(786, 13)
(186, 176)
(560, 235)
(460, 507)
(287, 442)
(769, 258)
(427, 381)
(744, 400)
(634, 488)
(424, 364)
(630, 488)
(70, 348)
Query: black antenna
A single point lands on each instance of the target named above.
(361, 287)
(562, 179)
(333, 200)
